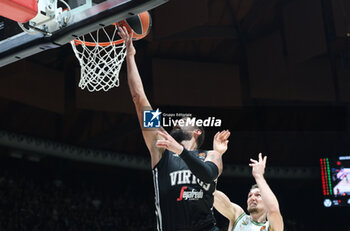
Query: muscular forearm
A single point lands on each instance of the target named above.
(223, 204)
(134, 79)
(267, 195)
(228, 209)
(205, 171)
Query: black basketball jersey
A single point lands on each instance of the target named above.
(183, 202)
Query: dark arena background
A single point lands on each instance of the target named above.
(275, 72)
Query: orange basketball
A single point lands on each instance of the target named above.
(140, 24)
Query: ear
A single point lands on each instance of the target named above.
(197, 133)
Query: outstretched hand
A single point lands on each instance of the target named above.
(169, 142)
(258, 167)
(220, 142)
(127, 37)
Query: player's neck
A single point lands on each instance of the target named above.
(259, 217)
(189, 144)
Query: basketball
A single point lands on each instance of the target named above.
(140, 24)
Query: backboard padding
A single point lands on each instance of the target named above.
(99, 15)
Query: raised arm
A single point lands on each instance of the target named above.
(206, 171)
(228, 209)
(139, 97)
(273, 212)
(220, 144)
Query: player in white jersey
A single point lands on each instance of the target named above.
(263, 208)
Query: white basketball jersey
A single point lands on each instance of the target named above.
(245, 223)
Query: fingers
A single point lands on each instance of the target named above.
(124, 30)
(123, 33)
(163, 134)
(227, 134)
(223, 135)
(163, 131)
(216, 136)
(261, 159)
(162, 143)
(131, 33)
(254, 161)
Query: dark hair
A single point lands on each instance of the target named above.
(200, 138)
(254, 186)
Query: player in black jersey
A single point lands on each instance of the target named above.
(184, 176)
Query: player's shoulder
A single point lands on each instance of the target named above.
(239, 218)
(202, 154)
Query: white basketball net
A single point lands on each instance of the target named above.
(100, 65)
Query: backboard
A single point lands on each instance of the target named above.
(87, 16)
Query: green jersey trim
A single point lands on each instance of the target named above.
(237, 220)
(258, 223)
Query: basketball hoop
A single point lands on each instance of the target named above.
(100, 61)
(102, 53)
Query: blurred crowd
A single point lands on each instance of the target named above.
(55, 195)
(30, 201)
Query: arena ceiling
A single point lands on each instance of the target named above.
(224, 57)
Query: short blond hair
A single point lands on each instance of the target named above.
(254, 186)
